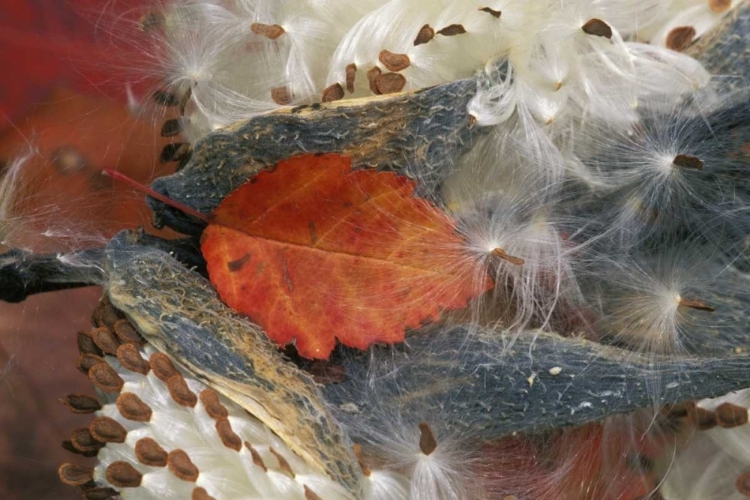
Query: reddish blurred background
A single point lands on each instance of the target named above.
(63, 95)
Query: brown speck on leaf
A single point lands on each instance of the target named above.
(81, 403)
(743, 483)
(200, 494)
(394, 62)
(123, 475)
(235, 265)
(257, 459)
(87, 361)
(131, 359)
(165, 98)
(493, 12)
(729, 415)
(372, 78)
(171, 127)
(227, 435)
(680, 38)
(426, 33)
(270, 31)
(389, 83)
(86, 344)
(452, 30)
(133, 408)
(99, 493)
(152, 20)
(127, 332)
(105, 378)
(597, 27)
(83, 440)
(283, 464)
(351, 73)
(180, 465)
(333, 93)
(366, 471)
(500, 253)
(311, 495)
(720, 6)
(180, 391)
(427, 441)
(162, 366)
(213, 406)
(688, 161)
(105, 340)
(703, 419)
(148, 452)
(281, 95)
(108, 430)
(696, 304)
(73, 475)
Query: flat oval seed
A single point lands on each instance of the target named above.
(389, 83)
(394, 62)
(597, 27)
(105, 378)
(201, 494)
(270, 31)
(180, 465)
(729, 415)
(180, 391)
(680, 38)
(130, 358)
(105, 340)
(148, 452)
(333, 92)
(108, 430)
(210, 400)
(123, 475)
(426, 33)
(73, 475)
(227, 434)
(81, 403)
(127, 332)
(162, 366)
(133, 408)
(83, 440)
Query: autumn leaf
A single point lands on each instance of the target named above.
(312, 251)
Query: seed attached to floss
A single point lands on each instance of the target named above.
(181, 466)
(680, 38)
(743, 484)
(123, 475)
(720, 6)
(426, 33)
(372, 78)
(427, 441)
(597, 27)
(688, 161)
(333, 92)
(148, 452)
(270, 31)
(390, 83)
(696, 304)
(394, 62)
(452, 30)
(281, 95)
(74, 475)
(500, 253)
(351, 73)
(492, 12)
(171, 127)
(729, 415)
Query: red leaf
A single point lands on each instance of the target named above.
(313, 252)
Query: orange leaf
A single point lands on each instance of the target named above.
(313, 251)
